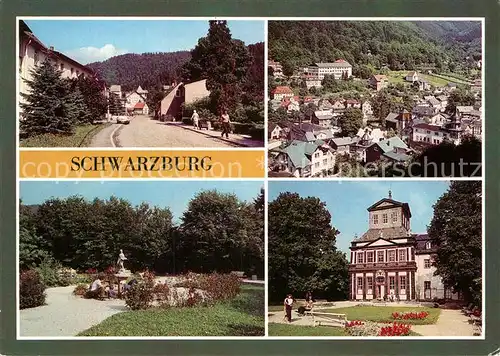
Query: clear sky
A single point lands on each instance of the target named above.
(173, 194)
(96, 40)
(348, 201)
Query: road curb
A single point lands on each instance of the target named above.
(216, 137)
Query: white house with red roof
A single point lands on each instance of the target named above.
(135, 97)
(281, 92)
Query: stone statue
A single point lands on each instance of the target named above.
(121, 258)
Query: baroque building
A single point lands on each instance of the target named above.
(389, 262)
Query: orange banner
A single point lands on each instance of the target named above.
(141, 164)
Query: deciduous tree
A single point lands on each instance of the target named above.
(456, 232)
(302, 253)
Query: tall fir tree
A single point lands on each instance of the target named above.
(76, 108)
(92, 90)
(44, 109)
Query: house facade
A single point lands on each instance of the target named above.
(182, 94)
(281, 92)
(338, 69)
(137, 96)
(32, 53)
(306, 159)
(388, 262)
(378, 82)
(411, 77)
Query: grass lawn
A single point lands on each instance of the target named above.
(384, 314)
(299, 330)
(80, 138)
(242, 316)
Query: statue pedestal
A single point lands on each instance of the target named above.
(122, 275)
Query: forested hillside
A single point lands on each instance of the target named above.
(147, 70)
(398, 45)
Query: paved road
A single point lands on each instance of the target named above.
(103, 137)
(145, 132)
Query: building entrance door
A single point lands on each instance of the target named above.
(380, 291)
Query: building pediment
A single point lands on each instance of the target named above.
(380, 242)
(390, 203)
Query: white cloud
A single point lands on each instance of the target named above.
(86, 55)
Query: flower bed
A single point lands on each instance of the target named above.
(410, 315)
(396, 329)
(360, 328)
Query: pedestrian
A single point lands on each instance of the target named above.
(97, 289)
(288, 307)
(226, 124)
(195, 118)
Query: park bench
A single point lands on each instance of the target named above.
(327, 319)
(205, 124)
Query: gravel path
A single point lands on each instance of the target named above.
(102, 138)
(65, 314)
(450, 323)
(145, 132)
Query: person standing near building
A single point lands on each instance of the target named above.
(226, 124)
(196, 119)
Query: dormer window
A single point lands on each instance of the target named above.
(428, 245)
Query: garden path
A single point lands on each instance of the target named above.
(65, 314)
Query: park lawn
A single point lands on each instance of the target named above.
(384, 314)
(276, 329)
(81, 137)
(242, 316)
(397, 76)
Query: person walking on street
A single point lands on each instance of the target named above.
(226, 124)
(195, 118)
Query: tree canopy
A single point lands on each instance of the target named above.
(218, 232)
(302, 252)
(456, 232)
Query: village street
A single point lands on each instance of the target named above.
(142, 131)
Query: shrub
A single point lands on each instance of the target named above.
(257, 132)
(220, 286)
(81, 289)
(242, 129)
(31, 290)
(140, 295)
(50, 276)
(161, 293)
(194, 298)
